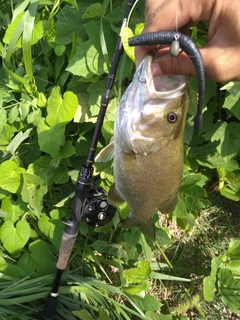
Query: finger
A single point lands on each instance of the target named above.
(141, 51)
(221, 63)
(164, 63)
(178, 12)
(217, 64)
(181, 14)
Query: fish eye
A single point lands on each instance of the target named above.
(172, 117)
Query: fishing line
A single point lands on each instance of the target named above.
(126, 20)
(177, 3)
(175, 46)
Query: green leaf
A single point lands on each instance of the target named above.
(215, 265)
(233, 251)
(103, 314)
(93, 11)
(107, 130)
(191, 197)
(17, 140)
(233, 87)
(73, 3)
(10, 176)
(68, 22)
(3, 117)
(83, 315)
(6, 135)
(162, 237)
(225, 278)
(229, 291)
(52, 227)
(87, 61)
(127, 33)
(229, 137)
(14, 209)
(33, 190)
(132, 236)
(137, 277)
(50, 139)
(135, 288)
(61, 110)
(234, 266)
(232, 103)
(150, 315)
(59, 51)
(11, 270)
(13, 114)
(229, 194)
(5, 94)
(139, 28)
(44, 166)
(101, 246)
(209, 283)
(147, 303)
(14, 238)
(209, 288)
(38, 261)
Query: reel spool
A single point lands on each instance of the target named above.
(97, 210)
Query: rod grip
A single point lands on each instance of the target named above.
(50, 308)
(66, 246)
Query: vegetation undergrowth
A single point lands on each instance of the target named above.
(55, 58)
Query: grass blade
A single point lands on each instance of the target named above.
(29, 19)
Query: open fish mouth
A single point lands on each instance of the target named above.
(166, 86)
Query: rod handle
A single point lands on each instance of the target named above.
(50, 308)
(66, 246)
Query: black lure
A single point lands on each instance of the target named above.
(190, 48)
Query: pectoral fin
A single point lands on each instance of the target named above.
(114, 196)
(106, 154)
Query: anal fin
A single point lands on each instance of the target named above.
(114, 196)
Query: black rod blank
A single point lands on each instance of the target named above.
(83, 184)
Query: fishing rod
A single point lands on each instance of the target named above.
(90, 200)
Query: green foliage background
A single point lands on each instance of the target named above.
(55, 56)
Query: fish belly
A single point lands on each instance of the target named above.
(148, 183)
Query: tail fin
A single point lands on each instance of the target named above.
(146, 227)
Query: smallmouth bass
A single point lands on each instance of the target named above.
(147, 146)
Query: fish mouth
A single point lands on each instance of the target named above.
(165, 86)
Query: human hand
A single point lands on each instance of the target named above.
(220, 54)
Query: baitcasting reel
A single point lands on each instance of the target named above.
(97, 211)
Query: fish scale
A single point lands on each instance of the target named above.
(147, 148)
